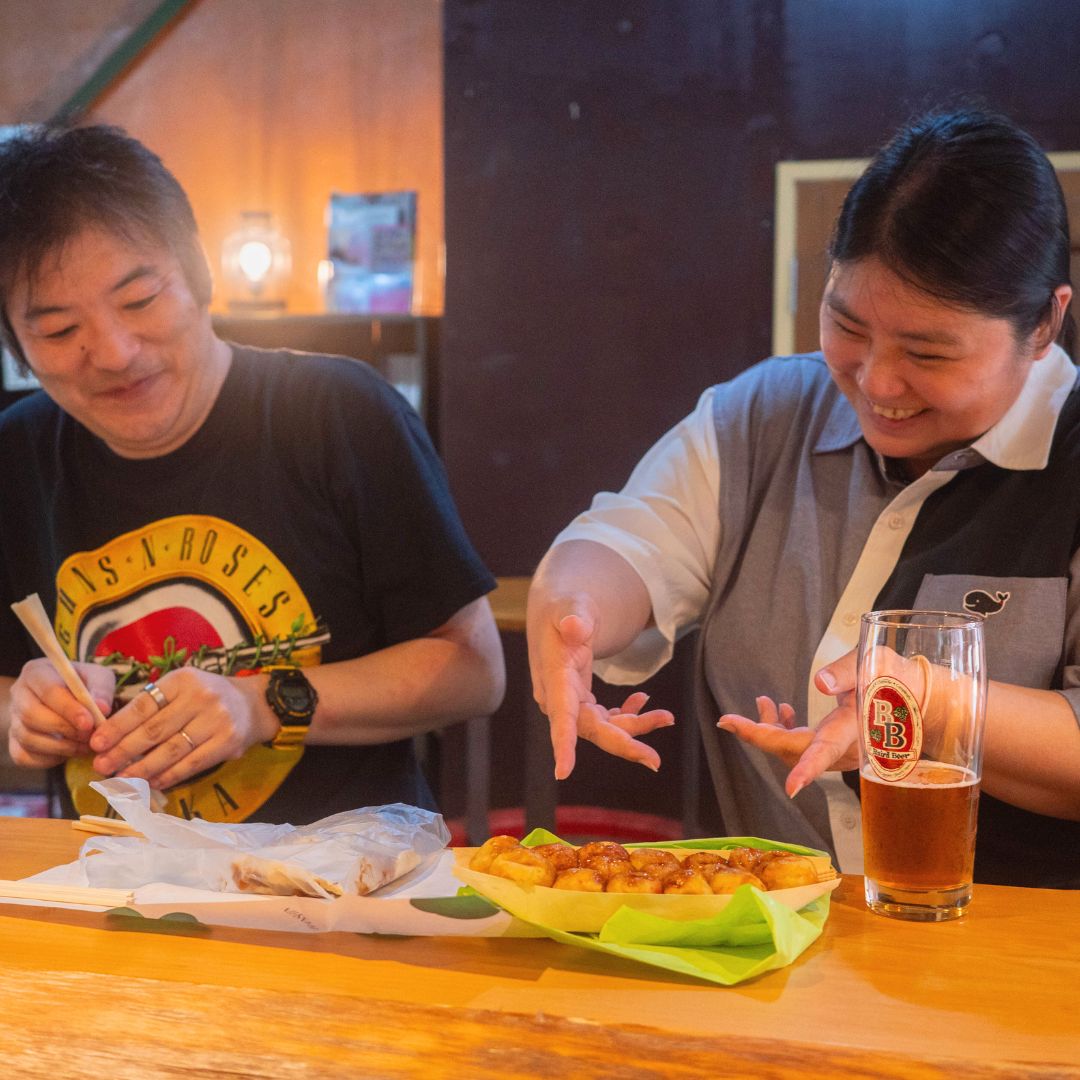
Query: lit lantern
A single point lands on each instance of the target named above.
(256, 262)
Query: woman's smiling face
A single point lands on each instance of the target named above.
(923, 377)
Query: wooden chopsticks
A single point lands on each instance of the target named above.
(66, 894)
(77, 894)
(103, 826)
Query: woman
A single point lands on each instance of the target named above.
(929, 456)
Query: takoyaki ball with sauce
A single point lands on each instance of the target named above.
(579, 879)
(483, 856)
(787, 871)
(654, 862)
(561, 856)
(607, 866)
(687, 882)
(705, 861)
(633, 881)
(605, 857)
(601, 847)
(523, 866)
(728, 878)
(745, 858)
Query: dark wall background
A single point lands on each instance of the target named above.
(609, 215)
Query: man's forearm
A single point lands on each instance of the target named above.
(452, 675)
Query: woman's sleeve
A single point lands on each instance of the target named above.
(665, 523)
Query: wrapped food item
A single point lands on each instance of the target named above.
(352, 853)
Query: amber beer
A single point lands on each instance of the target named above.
(921, 714)
(920, 831)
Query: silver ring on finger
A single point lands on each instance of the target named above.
(187, 738)
(156, 694)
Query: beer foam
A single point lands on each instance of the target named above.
(927, 774)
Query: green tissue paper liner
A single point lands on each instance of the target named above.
(752, 935)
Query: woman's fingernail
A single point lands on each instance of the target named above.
(826, 680)
(798, 787)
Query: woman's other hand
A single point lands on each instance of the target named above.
(809, 752)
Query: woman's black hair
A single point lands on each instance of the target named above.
(965, 206)
(54, 182)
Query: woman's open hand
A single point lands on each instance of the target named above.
(560, 659)
(808, 752)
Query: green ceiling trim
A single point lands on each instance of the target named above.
(110, 69)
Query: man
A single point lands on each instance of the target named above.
(263, 542)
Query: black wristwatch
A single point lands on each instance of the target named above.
(293, 700)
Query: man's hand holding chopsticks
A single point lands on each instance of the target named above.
(48, 723)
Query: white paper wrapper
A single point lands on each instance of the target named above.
(423, 902)
(353, 853)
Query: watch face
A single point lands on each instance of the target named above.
(295, 695)
(292, 696)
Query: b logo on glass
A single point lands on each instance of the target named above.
(892, 728)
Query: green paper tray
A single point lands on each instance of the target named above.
(724, 939)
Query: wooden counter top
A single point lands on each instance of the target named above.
(990, 995)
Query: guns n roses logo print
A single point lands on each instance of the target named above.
(187, 590)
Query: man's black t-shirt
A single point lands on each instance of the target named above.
(311, 494)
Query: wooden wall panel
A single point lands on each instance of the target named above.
(274, 104)
(817, 205)
(48, 49)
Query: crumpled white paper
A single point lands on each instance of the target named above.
(352, 853)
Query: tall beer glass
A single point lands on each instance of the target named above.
(922, 707)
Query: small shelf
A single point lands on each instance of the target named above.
(403, 348)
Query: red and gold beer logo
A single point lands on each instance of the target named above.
(892, 728)
(185, 583)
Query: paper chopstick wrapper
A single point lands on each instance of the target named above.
(31, 614)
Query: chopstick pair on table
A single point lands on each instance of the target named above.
(65, 894)
(76, 894)
(31, 613)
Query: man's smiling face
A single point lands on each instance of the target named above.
(111, 329)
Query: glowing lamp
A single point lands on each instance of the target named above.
(256, 262)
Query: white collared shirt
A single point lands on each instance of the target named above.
(665, 523)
